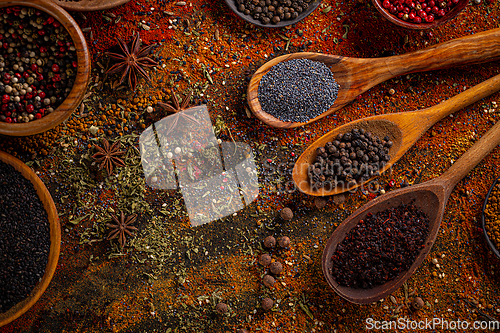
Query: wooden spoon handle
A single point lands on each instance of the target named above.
(473, 49)
(470, 158)
(470, 96)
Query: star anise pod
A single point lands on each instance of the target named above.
(179, 110)
(121, 228)
(108, 156)
(132, 61)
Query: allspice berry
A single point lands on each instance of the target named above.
(339, 199)
(267, 304)
(417, 304)
(221, 308)
(286, 214)
(268, 281)
(284, 241)
(276, 267)
(265, 259)
(320, 202)
(269, 242)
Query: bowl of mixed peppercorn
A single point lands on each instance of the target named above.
(273, 13)
(419, 14)
(30, 238)
(44, 66)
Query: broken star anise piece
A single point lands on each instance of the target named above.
(132, 61)
(121, 228)
(108, 156)
(179, 110)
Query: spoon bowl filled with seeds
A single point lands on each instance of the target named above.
(379, 246)
(352, 155)
(300, 88)
(273, 13)
(30, 238)
(44, 68)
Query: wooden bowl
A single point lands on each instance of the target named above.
(89, 5)
(79, 88)
(55, 239)
(424, 25)
(312, 6)
(490, 243)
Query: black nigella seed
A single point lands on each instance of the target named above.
(24, 237)
(297, 90)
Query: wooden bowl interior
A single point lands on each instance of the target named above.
(379, 127)
(89, 5)
(55, 240)
(424, 25)
(79, 88)
(483, 220)
(312, 6)
(425, 199)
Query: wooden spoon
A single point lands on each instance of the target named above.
(357, 75)
(431, 197)
(403, 128)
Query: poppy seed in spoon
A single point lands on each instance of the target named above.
(297, 90)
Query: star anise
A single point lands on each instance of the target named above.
(132, 61)
(179, 110)
(121, 227)
(108, 156)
